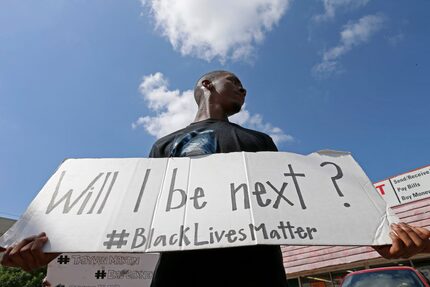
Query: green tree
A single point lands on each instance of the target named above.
(14, 277)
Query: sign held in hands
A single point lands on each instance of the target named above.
(215, 201)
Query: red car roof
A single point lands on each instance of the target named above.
(382, 269)
(374, 270)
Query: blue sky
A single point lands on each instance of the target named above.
(104, 78)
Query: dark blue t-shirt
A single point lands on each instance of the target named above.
(249, 266)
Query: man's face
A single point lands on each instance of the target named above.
(229, 93)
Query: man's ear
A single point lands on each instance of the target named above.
(207, 84)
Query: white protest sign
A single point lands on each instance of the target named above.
(220, 200)
(102, 269)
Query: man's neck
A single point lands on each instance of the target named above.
(205, 113)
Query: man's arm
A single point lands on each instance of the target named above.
(28, 254)
(407, 242)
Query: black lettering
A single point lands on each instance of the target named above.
(139, 233)
(338, 176)
(151, 235)
(211, 235)
(173, 240)
(245, 195)
(243, 235)
(231, 236)
(254, 228)
(183, 236)
(102, 206)
(310, 230)
(288, 227)
(275, 234)
(301, 232)
(196, 236)
(100, 193)
(280, 194)
(67, 197)
(172, 190)
(219, 236)
(84, 204)
(296, 184)
(142, 189)
(160, 239)
(198, 193)
(260, 190)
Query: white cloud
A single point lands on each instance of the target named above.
(396, 39)
(222, 29)
(353, 34)
(331, 6)
(175, 110)
(256, 122)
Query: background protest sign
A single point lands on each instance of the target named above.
(102, 269)
(220, 200)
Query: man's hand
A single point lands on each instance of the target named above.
(27, 254)
(407, 241)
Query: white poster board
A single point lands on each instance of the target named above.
(102, 269)
(215, 201)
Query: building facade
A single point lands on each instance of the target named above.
(5, 224)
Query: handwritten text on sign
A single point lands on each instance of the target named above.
(221, 200)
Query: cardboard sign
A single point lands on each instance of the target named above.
(102, 269)
(407, 187)
(215, 201)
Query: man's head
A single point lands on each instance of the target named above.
(220, 89)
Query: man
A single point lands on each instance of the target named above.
(219, 95)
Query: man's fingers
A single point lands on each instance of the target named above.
(27, 257)
(33, 254)
(40, 257)
(17, 260)
(384, 251)
(424, 232)
(417, 243)
(27, 254)
(24, 242)
(5, 261)
(414, 239)
(403, 233)
(36, 250)
(397, 247)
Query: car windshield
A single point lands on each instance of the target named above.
(384, 278)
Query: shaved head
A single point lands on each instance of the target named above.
(219, 94)
(211, 76)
